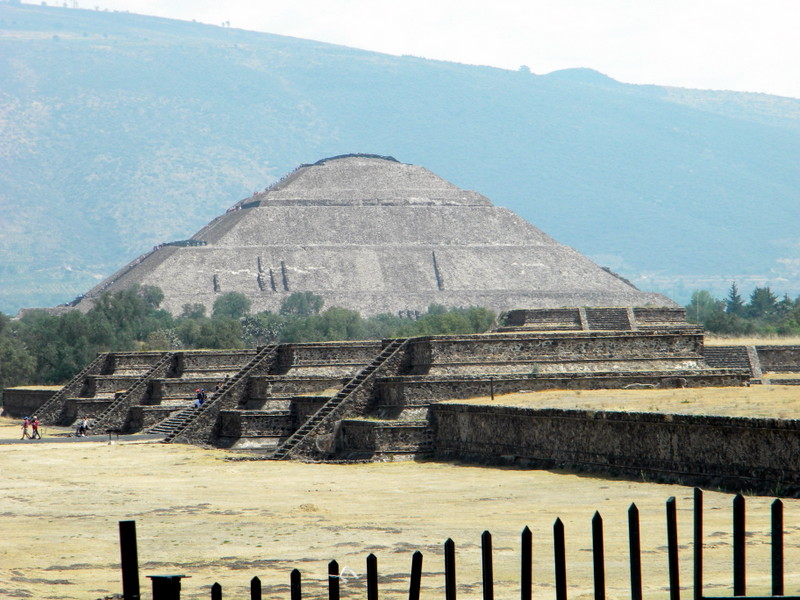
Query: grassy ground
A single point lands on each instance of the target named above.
(225, 521)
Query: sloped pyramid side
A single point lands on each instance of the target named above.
(398, 241)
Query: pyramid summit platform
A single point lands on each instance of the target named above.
(375, 235)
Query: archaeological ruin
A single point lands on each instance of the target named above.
(381, 400)
(374, 235)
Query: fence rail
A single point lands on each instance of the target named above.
(168, 587)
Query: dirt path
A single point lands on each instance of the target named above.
(229, 521)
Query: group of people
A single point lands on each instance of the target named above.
(82, 427)
(33, 426)
(200, 395)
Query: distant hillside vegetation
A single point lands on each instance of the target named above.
(119, 132)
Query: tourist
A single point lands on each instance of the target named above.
(25, 424)
(84, 427)
(35, 426)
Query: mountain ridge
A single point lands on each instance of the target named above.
(122, 131)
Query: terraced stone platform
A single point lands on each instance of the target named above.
(373, 398)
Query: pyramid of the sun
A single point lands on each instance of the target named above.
(375, 235)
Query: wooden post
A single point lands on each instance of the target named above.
(255, 589)
(333, 580)
(777, 548)
(672, 550)
(449, 570)
(486, 563)
(598, 557)
(560, 560)
(216, 592)
(416, 576)
(295, 586)
(372, 577)
(635, 550)
(738, 546)
(129, 560)
(698, 544)
(526, 566)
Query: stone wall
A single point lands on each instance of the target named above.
(555, 347)
(779, 359)
(734, 453)
(383, 439)
(399, 394)
(24, 402)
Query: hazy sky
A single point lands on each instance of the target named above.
(747, 45)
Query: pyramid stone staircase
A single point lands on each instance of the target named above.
(336, 406)
(197, 424)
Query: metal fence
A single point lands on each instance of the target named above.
(168, 587)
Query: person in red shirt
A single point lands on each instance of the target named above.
(35, 426)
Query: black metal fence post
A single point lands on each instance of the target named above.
(255, 589)
(372, 577)
(487, 566)
(526, 566)
(738, 546)
(129, 560)
(598, 558)
(672, 550)
(777, 548)
(295, 585)
(333, 580)
(216, 592)
(450, 570)
(416, 576)
(698, 544)
(560, 560)
(635, 550)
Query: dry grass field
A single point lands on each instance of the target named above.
(763, 401)
(716, 340)
(217, 520)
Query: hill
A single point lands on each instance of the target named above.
(121, 131)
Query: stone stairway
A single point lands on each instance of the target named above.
(50, 411)
(110, 417)
(727, 357)
(181, 421)
(608, 319)
(341, 397)
(175, 421)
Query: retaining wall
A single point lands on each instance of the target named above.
(24, 402)
(559, 347)
(779, 359)
(734, 453)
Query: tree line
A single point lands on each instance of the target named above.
(763, 314)
(45, 348)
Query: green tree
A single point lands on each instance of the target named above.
(262, 328)
(302, 304)
(734, 305)
(763, 303)
(17, 365)
(233, 305)
(703, 307)
(193, 311)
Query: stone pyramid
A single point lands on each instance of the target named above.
(375, 235)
